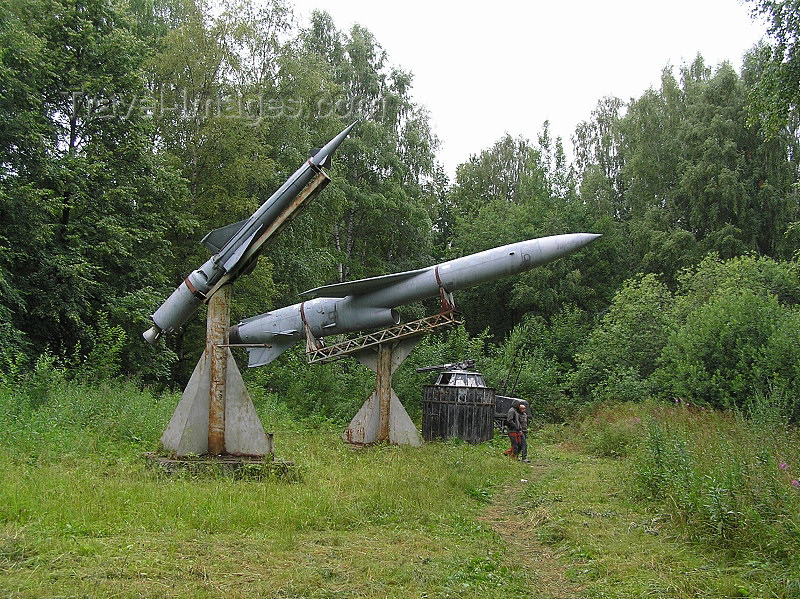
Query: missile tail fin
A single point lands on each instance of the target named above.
(217, 238)
(261, 356)
(362, 285)
(237, 255)
(325, 163)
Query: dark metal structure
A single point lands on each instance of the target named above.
(459, 405)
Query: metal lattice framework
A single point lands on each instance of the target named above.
(414, 328)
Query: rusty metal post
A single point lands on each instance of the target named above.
(218, 323)
(384, 389)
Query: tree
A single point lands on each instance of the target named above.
(775, 96)
(599, 157)
(83, 205)
(380, 218)
(625, 344)
(513, 191)
(733, 339)
(684, 173)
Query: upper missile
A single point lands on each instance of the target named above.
(370, 303)
(236, 246)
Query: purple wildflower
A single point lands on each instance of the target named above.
(782, 466)
(796, 483)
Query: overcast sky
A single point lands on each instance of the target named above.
(505, 67)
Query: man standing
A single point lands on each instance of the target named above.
(517, 422)
(523, 427)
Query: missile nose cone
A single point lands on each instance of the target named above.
(585, 239)
(329, 148)
(546, 249)
(572, 242)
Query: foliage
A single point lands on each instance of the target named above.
(775, 97)
(620, 353)
(714, 358)
(316, 393)
(725, 479)
(534, 359)
(513, 191)
(682, 172)
(733, 336)
(381, 216)
(83, 200)
(725, 336)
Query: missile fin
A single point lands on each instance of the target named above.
(236, 256)
(252, 318)
(216, 239)
(261, 356)
(362, 285)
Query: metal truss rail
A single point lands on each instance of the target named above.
(344, 348)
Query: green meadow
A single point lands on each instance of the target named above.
(630, 500)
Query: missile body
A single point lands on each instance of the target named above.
(231, 244)
(370, 303)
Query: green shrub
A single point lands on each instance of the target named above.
(622, 350)
(728, 350)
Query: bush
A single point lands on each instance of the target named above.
(729, 349)
(622, 350)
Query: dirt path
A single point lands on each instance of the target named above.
(518, 526)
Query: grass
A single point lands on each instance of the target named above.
(378, 523)
(82, 515)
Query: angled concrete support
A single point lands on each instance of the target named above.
(383, 418)
(215, 415)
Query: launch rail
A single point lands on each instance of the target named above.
(336, 351)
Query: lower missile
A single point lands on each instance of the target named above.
(371, 303)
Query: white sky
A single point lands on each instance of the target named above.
(488, 68)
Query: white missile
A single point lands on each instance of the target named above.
(236, 246)
(370, 303)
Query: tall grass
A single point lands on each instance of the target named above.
(730, 481)
(81, 513)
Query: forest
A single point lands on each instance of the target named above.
(661, 362)
(131, 129)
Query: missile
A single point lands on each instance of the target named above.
(371, 303)
(236, 246)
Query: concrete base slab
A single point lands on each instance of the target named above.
(244, 467)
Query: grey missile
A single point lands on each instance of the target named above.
(371, 303)
(231, 245)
